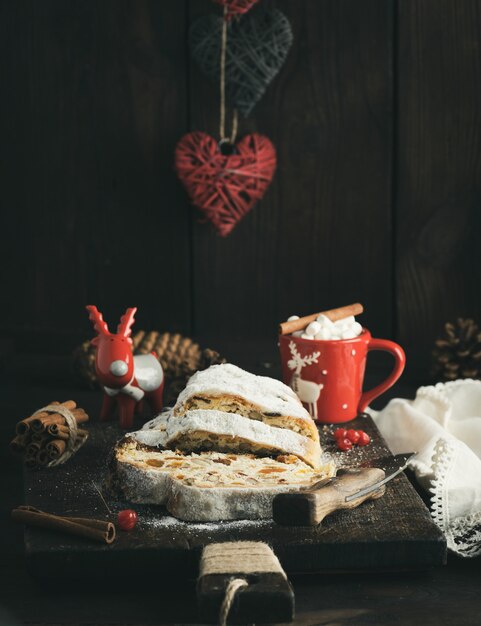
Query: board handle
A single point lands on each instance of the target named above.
(244, 582)
(310, 507)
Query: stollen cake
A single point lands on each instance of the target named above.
(209, 486)
(229, 389)
(204, 430)
(231, 443)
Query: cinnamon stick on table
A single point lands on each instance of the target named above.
(286, 328)
(32, 449)
(41, 423)
(23, 427)
(42, 457)
(18, 444)
(97, 530)
(55, 448)
(58, 431)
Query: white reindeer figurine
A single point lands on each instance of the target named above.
(307, 391)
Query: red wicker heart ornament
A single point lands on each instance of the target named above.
(236, 7)
(225, 186)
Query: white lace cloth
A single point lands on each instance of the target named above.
(443, 424)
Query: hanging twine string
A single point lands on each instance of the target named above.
(75, 439)
(223, 54)
(232, 588)
(237, 557)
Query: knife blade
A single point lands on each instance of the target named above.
(393, 466)
(347, 490)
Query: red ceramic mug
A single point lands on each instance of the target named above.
(328, 375)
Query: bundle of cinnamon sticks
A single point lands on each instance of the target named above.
(42, 438)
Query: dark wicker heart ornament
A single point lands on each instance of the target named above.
(236, 7)
(225, 186)
(257, 46)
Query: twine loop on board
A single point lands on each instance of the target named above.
(75, 439)
(232, 588)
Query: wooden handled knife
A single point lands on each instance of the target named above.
(347, 490)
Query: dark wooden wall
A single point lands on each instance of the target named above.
(376, 120)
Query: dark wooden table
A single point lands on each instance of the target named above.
(448, 595)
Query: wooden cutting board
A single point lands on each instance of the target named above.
(393, 533)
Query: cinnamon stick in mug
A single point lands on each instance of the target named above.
(286, 328)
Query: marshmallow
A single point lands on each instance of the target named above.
(325, 330)
(357, 328)
(313, 328)
(323, 334)
(325, 321)
(293, 318)
(347, 321)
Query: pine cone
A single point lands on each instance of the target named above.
(83, 365)
(179, 356)
(458, 353)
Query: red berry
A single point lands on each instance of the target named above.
(353, 435)
(340, 433)
(344, 444)
(364, 438)
(127, 519)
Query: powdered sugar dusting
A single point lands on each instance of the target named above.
(268, 393)
(172, 523)
(236, 431)
(242, 430)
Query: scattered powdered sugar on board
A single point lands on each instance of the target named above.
(172, 523)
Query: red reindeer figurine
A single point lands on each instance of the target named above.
(125, 378)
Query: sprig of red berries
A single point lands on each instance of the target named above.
(345, 439)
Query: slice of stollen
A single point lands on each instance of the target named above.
(209, 486)
(201, 430)
(230, 389)
(154, 432)
(227, 432)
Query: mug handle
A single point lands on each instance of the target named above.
(399, 363)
